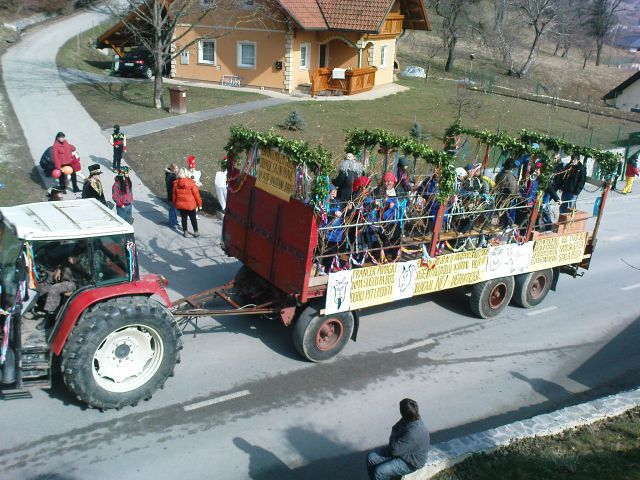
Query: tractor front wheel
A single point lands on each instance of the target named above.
(120, 352)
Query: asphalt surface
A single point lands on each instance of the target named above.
(244, 405)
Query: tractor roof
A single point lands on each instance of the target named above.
(64, 220)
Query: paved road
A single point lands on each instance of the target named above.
(285, 418)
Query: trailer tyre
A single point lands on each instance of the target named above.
(532, 288)
(120, 352)
(319, 338)
(489, 298)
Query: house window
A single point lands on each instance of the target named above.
(384, 55)
(305, 55)
(184, 57)
(207, 52)
(246, 55)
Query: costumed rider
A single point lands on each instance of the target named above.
(348, 170)
(119, 142)
(333, 236)
(92, 187)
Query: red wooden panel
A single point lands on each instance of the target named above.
(274, 238)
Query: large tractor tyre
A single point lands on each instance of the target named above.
(489, 298)
(120, 352)
(532, 288)
(319, 338)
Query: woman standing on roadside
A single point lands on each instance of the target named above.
(186, 198)
(122, 194)
(62, 153)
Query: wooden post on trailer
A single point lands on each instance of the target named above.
(485, 159)
(534, 216)
(436, 230)
(605, 194)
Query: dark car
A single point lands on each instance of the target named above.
(137, 63)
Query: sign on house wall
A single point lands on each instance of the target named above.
(365, 287)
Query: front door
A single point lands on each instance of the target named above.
(324, 58)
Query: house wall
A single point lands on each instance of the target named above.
(372, 56)
(629, 98)
(270, 47)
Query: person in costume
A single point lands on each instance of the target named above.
(122, 194)
(92, 187)
(118, 141)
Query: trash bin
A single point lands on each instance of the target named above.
(178, 99)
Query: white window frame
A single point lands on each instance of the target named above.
(384, 55)
(184, 57)
(239, 54)
(307, 56)
(200, 52)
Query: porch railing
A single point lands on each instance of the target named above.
(356, 80)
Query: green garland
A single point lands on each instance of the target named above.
(299, 153)
(359, 138)
(608, 161)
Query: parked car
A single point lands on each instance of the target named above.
(413, 71)
(136, 63)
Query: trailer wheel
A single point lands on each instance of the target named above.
(319, 338)
(532, 288)
(120, 352)
(489, 298)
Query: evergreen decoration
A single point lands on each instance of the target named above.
(523, 144)
(300, 153)
(358, 138)
(294, 122)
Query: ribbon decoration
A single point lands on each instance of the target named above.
(5, 338)
(31, 266)
(131, 254)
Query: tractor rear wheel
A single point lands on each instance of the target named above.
(120, 352)
(319, 338)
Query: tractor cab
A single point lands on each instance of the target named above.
(50, 252)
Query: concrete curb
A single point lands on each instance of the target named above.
(444, 455)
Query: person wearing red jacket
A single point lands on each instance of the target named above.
(62, 154)
(186, 198)
(631, 173)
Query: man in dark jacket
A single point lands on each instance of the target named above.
(573, 179)
(170, 176)
(92, 187)
(408, 446)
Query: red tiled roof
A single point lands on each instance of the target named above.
(354, 15)
(358, 15)
(305, 13)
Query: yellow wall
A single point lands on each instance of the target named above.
(269, 49)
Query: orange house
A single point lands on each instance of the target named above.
(346, 45)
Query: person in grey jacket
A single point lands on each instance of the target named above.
(408, 446)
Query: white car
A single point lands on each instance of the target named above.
(413, 71)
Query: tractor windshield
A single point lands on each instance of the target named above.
(10, 247)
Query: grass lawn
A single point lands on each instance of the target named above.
(126, 103)
(79, 52)
(429, 104)
(606, 450)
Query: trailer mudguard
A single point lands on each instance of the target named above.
(147, 285)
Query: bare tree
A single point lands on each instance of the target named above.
(502, 37)
(603, 19)
(586, 44)
(431, 52)
(541, 15)
(153, 24)
(465, 102)
(456, 17)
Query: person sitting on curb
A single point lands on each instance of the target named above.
(408, 446)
